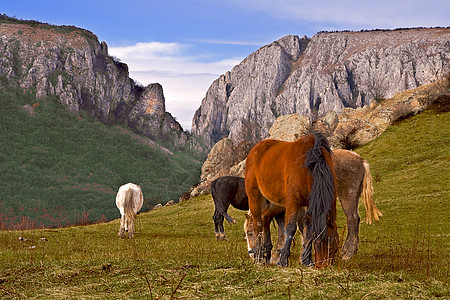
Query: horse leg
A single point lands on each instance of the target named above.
(274, 259)
(266, 240)
(131, 228)
(306, 257)
(290, 229)
(121, 233)
(255, 204)
(222, 235)
(218, 226)
(349, 201)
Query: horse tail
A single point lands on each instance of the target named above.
(371, 209)
(323, 192)
(219, 204)
(128, 207)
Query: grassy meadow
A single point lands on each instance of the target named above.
(175, 255)
(59, 168)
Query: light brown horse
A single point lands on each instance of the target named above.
(353, 180)
(293, 175)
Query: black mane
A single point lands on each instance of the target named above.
(323, 188)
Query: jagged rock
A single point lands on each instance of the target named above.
(330, 72)
(194, 191)
(219, 160)
(239, 169)
(159, 205)
(290, 127)
(73, 66)
(171, 202)
(245, 93)
(353, 127)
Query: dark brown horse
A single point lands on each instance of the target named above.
(293, 175)
(226, 191)
(353, 180)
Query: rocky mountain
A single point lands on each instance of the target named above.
(70, 64)
(354, 127)
(329, 72)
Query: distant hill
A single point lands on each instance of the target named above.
(75, 127)
(58, 168)
(71, 65)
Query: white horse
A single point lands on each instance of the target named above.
(129, 201)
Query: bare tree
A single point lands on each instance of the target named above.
(377, 88)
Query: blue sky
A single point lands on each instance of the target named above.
(186, 44)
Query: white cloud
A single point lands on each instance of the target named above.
(356, 13)
(227, 42)
(184, 78)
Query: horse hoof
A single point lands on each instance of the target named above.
(274, 260)
(282, 264)
(308, 263)
(348, 252)
(346, 256)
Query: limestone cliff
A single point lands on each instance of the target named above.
(354, 127)
(70, 64)
(329, 72)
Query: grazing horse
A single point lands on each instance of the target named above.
(353, 179)
(292, 175)
(129, 201)
(227, 190)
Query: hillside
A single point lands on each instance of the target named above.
(58, 168)
(72, 66)
(329, 72)
(175, 254)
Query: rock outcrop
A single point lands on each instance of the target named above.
(329, 72)
(352, 128)
(219, 161)
(70, 64)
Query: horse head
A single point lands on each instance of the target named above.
(326, 243)
(249, 234)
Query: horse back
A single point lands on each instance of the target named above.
(230, 190)
(349, 168)
(129, 197)
(277, 168)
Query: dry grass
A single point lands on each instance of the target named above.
(175, 255)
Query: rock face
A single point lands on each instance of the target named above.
(352, 128)
(219, 161)
(69, 63)
(329, 72)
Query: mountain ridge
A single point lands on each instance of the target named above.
(330, 71)
(71, 64)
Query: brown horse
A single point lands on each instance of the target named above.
(353, 179)
(293, 175)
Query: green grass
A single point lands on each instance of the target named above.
(175, 255)
(58, 169)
